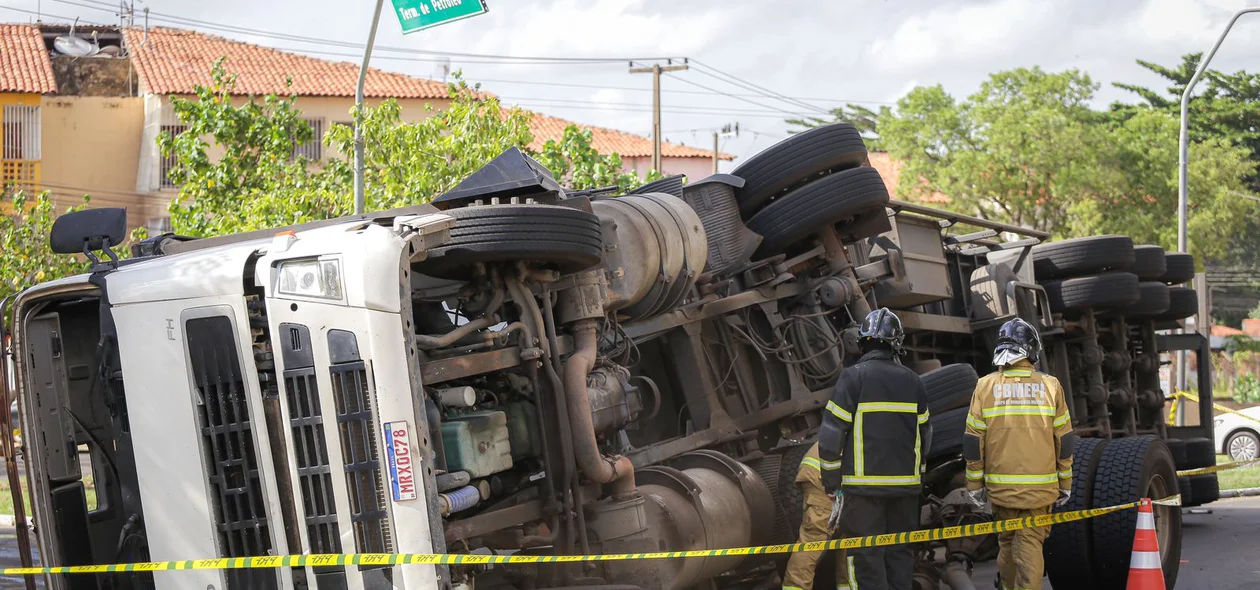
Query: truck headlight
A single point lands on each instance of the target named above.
(310, 277)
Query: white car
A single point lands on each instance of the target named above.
(1238, 435)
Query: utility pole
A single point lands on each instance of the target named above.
(656, 70)
(726, 131)
(358, 111)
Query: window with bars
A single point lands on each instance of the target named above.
(312, 149)
(20, 145)
(170, 161)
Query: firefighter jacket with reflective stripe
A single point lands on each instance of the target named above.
(810, 472)
(877, 420)
(1019, 440)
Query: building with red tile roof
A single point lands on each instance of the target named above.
(24, 63)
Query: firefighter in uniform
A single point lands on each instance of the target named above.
(871, 448)
(1018, 446)
(814, 527)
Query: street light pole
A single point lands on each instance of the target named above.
(1183, 164)
(358, 111)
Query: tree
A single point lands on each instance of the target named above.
(866, 121)
(25, 258)
(257, 183)
(1022, 149)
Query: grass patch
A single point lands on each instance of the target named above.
(1236, 479)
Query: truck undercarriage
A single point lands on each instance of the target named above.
(519, 368)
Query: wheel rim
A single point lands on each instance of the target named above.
(1243, 448)
(1159, 489)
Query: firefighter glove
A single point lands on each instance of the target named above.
(1064, 496)
(837, 505)
(978, 498)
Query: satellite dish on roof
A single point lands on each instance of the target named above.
(71, 45)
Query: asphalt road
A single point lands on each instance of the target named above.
(1219, 550)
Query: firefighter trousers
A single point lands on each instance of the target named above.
(880, 568)
(1020, 562)
(802, 565)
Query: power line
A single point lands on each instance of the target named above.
(634, 89)
(164, 17)
(750, 101)
(42, 14)
(634, 110)
(677, 109)
(737, 81)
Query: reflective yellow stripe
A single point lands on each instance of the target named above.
(1018, 411)
(852, 572)
(888, 407)
(792, 588)
(976, 423)
(839, 412)
(831, 465)
(1020, 479)
(1017, 373)
(974, 475)
(812, 462)
(1065, 474)
(859, 446)
(882, 480)
(924, 417)
(1063, 418)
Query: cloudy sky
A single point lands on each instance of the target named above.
(813, 54)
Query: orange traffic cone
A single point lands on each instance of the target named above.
(1145, 569)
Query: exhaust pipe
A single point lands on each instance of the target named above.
(618, 472)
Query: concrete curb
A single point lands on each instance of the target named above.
(1241, 493)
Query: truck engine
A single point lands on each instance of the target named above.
(521, 368)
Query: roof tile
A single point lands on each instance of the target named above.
(609, 141)
(890, 170)
(176, 61)
(24, 63)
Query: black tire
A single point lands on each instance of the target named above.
(949, 387)
(1104, 291)
(1069, 548)
(670, 185)
(1187, 491)
(843, 199)
(566, 239)
(947, 433)
(1177, 448)
(1082, 256)
(1183, 302)
(1131, 469)
(1148, 262)
(1179, 268)
(796, 161)
(791, 498)
(1200, 452)
(1204, 489)
(1152, 301)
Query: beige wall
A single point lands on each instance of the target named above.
(694, 168)
(91, 145)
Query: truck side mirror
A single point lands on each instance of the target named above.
(88, 231)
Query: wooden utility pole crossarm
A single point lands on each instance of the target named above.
(656, 71)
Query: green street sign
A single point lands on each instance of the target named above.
(416, 15)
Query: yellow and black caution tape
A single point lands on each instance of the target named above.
(1172, 414)
(971, 530)
(1217, 468)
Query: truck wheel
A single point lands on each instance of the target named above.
(1183, 302)
(1204, 489)
(1179, 268)
(566, 239)
(1107, 290)
(1068, 549)
(1200, 452)
(1082, 256)
(1177, 448)
(949, 387)
(1187, 491)
(1148, 262)
(1130, 469)
(1152, 302)
(948, 428)
(796, 161)
(842, 199)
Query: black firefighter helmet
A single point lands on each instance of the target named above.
(884, 326)
(1017, 338)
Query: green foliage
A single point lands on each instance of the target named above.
(866, 121)
(578, 165)
(25, 258)
(236, 169)
(1255, 313)
(1247, 389)
(1028, 149)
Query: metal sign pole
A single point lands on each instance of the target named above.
(1183, 164)
(358, 111)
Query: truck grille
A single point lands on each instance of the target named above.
(354, 399)
(310, 452)
(227, 442)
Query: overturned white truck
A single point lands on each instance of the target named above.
(521, 368)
